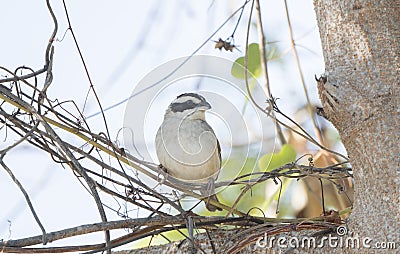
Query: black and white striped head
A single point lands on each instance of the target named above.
(190, 105)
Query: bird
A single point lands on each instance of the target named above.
(186, 145)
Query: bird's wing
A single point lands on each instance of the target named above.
(207, 127)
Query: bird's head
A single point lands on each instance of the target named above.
(188, 105)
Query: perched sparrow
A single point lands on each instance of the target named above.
(186, 145)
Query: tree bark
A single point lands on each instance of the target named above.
(360, 41)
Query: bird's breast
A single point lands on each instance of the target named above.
(188, 149)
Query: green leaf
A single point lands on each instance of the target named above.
(254, 63)
(272, 161)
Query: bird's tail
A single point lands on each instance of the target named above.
(209, 206)
(209, 195)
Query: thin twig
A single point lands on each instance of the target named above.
(23, 77)
(264, 67)
(296, 57)
(28, 200)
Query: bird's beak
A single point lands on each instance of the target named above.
(205, 106)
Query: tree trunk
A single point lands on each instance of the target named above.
(360, 41)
